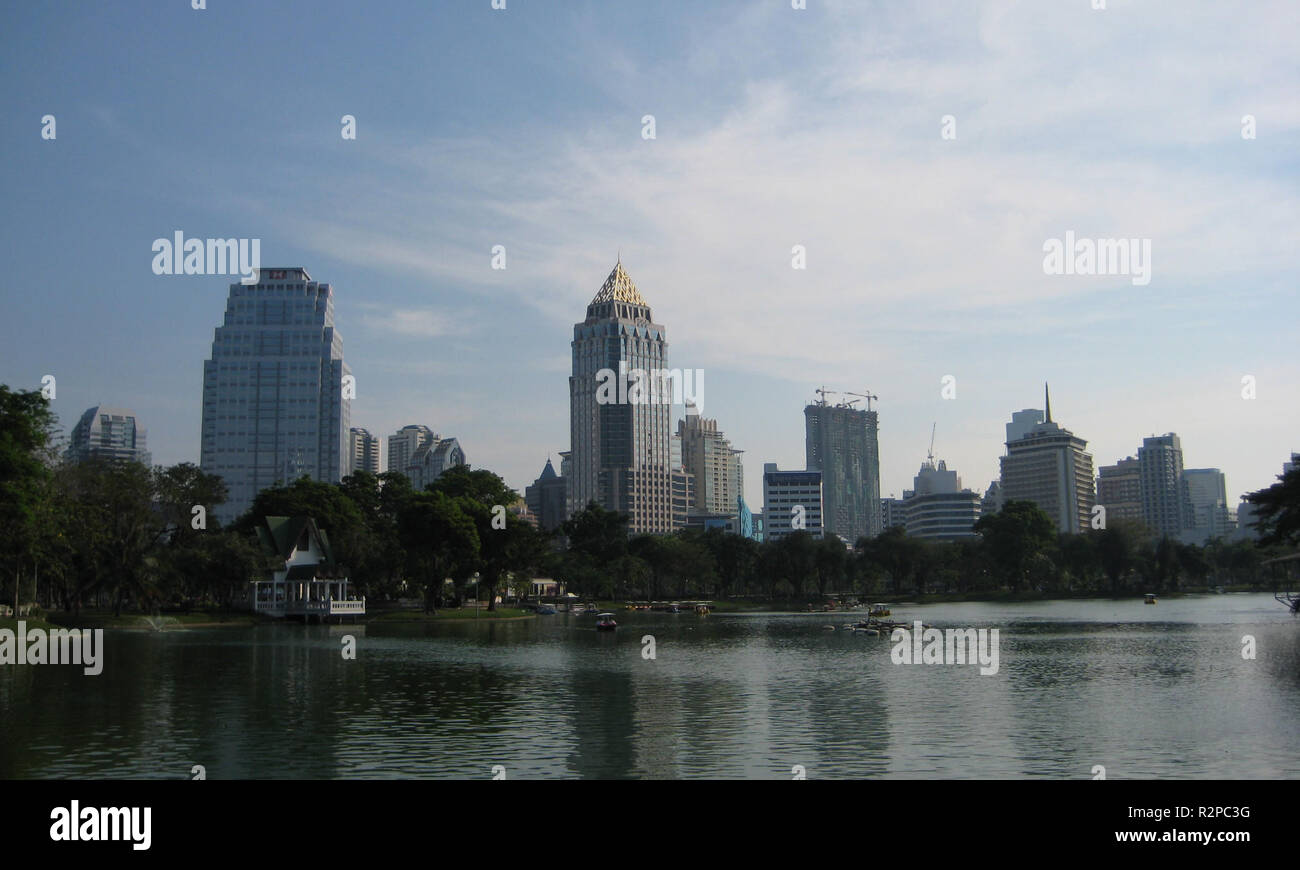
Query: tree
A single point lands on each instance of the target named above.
(503, 544)
(26, 456)
(1117, 549)
(1014, 535)
(735, 557)
(114, 528)
(440, 541)
(380, 499)
(830, 563)
(1278, 510)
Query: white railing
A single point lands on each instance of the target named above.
(345, 607)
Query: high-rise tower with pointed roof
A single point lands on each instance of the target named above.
(620, 449)
(1049, 466)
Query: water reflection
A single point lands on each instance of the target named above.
(1146, 694)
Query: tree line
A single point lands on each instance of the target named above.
(119, 534)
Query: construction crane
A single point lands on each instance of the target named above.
(929, 457)
(823, 392)
(868, 396)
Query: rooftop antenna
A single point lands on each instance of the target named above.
(1047, 398)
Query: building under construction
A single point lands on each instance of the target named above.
(842, 443)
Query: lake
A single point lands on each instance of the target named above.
(1144, 691)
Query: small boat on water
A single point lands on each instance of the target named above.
(605, 622)
(1149, 598)
(545, 610)
(878, 610)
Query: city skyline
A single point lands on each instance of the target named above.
(940, 273)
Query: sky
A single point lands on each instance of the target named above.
(773, 127)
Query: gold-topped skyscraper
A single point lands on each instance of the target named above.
(621, 448)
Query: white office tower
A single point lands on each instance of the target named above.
(792, 501)
(939, 507)
(274, 405)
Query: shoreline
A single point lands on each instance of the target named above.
(136, 622)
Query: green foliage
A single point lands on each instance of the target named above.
(1014, 536)
(1278, 510)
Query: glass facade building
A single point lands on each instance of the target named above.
(274, 407)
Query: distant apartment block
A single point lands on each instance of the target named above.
(1022, 423)
(432, 459)
(1119, 489)
(716, 466)
(364, 453)
(274, 404)
(403, 445)
(792, 500)
(893, 512)
(1164, 501)
(1212, 517)
(110, 433)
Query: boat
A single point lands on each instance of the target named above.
(605, 622)
(545, 610)
(1149, 598)
(879, 610)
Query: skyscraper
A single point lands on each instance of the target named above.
(841, 442)
(620, 443)
(274, 405)
(113, 433)
(1164, 500)
(1049, 467)
(364, 455)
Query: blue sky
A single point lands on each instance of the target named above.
(774, 128)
